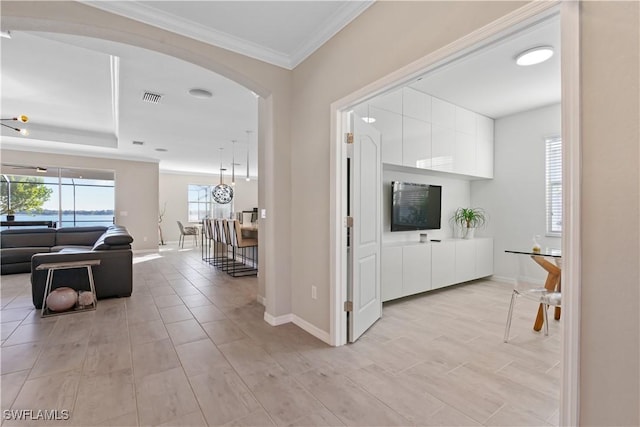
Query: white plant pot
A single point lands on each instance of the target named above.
(468, 233)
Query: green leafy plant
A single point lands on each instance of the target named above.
(470, 217)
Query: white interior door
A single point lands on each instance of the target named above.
(365, 202)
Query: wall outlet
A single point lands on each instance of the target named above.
(314, 292)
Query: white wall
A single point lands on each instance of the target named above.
(173, 192)
(515, 198)
(136, 189)
(455, 194)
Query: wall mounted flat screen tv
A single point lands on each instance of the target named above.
(415, 206)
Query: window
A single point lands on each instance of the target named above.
(201, 204)
(69, 197)
(554, 186)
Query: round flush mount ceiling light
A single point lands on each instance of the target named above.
(534, 56)
(200, 93)
(368, 119)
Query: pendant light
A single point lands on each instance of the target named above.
(233, 162)
(222, 193)
(248, 148)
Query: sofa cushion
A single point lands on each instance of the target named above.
(15, 255)
(78, 236)
(35, 237)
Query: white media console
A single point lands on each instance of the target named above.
(411, 267)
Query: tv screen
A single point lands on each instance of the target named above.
(415, 206)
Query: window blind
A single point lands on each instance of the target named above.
(554, 185)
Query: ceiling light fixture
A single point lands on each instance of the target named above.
(368, 119)
(534, 55)
(22, 118)
(233, 162)
(248, 146)
(200, 93)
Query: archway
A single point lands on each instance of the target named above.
(269, 82)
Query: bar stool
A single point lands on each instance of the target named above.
(240, 243)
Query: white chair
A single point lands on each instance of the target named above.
(528, 285)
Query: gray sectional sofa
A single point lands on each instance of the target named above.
(23, 250)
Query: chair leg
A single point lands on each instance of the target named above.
(545, 308)
(181, 241)
(514, 295)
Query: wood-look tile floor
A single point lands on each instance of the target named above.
(191, 348)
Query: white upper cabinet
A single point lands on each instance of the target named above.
(390, 126)
(464, 159)
(416, 104)
(416, 143)
(465, 121)
(443, 142)
(443, 113)
(484, 147)
(425, 132)
(390, 101)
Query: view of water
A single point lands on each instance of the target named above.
(68, 219)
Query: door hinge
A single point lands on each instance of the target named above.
(348, 306)
(348, 222)
(349, 138)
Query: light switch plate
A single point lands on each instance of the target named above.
(263, 213)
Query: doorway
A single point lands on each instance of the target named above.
(525, 17)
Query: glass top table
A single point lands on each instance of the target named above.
(546, 252)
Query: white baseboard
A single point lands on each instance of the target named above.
(279, 320)
(301, 323)
(313, 330)
(144, 251)
(502, 279)
(262, 300)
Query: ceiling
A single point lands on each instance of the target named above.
(84, 96)
(488, 80)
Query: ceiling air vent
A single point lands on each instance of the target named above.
(138, 142)
(153, 98)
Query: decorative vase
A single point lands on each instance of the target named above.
(61, 299)
(11, 217)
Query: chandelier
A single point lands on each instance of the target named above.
(222, 193)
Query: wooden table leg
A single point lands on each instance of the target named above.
(551, 284)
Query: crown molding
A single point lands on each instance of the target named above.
(349, 11)
(157, 18)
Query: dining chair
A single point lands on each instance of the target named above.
(244, 266)
(528, 285)
(187, 231)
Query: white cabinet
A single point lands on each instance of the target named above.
(484, 257)
(465, 260)
(416, 143)
(411, 268)
(416, 104)
(443, 142)
(484, 147)
(391, 275)
(421, 131)
(443, 113)
(443, 263)
(390, 126)
(416, 269)
(464, 160)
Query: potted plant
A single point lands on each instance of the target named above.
(11, 215)
(469, 219)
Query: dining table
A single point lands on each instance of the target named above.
(552, 282)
